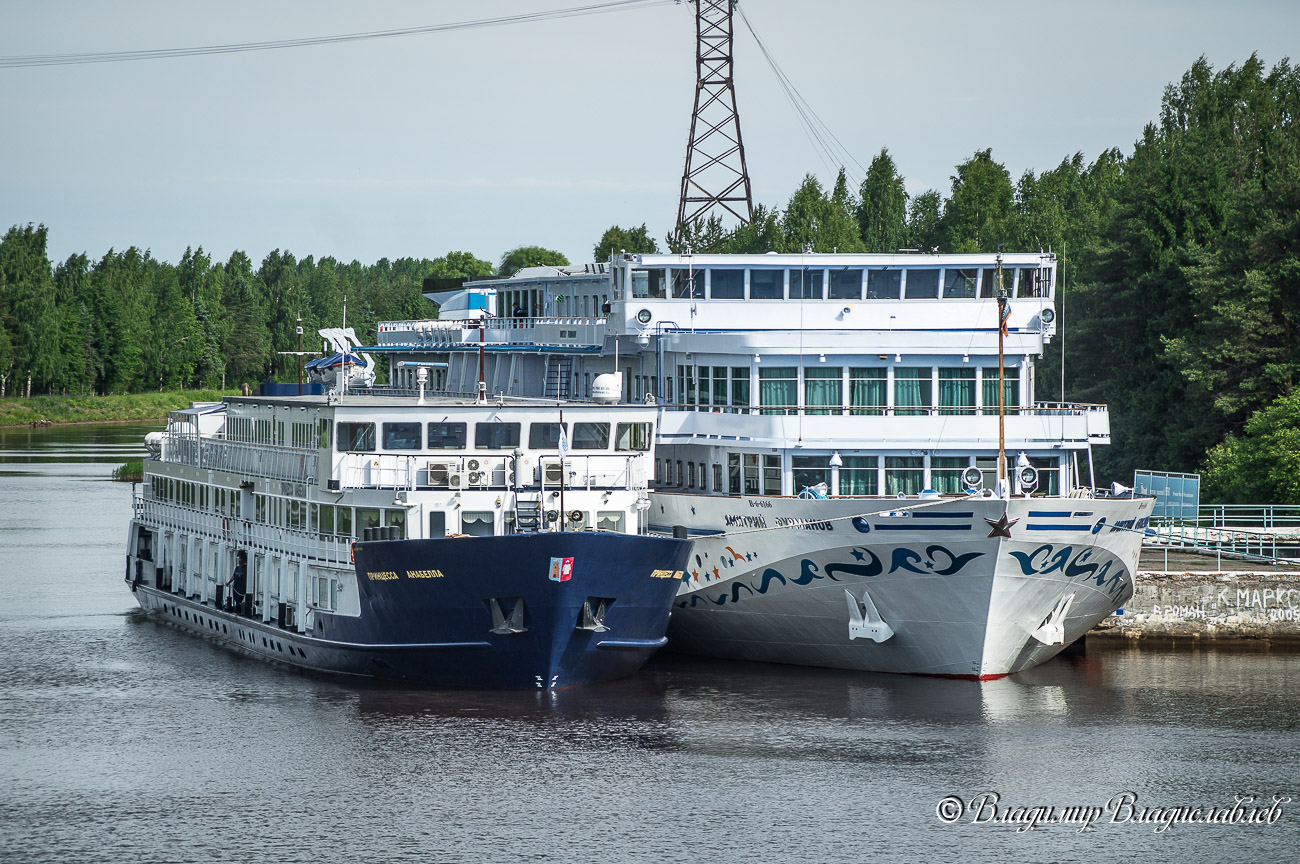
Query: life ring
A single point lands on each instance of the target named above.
(225, 525)
(352, 553)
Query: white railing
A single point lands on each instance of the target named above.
(296, 464)
(388, 471)
(244, 534)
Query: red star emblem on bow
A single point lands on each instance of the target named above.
(1001, 526)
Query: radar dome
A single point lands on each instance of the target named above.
(607, 388)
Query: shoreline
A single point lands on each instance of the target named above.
(52, 423)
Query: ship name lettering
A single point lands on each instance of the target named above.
(666, 574)
(736, 521)
(805, 524)
(381, 575)
(753, 503)
(424, 574)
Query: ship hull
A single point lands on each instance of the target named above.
(919, 590)
(445, 612)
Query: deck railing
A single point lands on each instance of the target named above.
(296, 464)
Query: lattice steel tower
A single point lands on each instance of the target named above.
(715, 176)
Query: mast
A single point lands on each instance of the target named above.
(482, 385)
(1002, 415)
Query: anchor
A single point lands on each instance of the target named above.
(864, 620)
(1052, 631)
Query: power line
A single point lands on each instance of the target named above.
(272, 45)
(825, 144)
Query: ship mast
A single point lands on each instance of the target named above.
(1002, 416)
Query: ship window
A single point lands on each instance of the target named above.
(1010, 389)
(912, 386)
(544, 436)
(477, 523)
(720, 385)
(717, 477)
(356, 437)
(740, 386)
(1031, 285)
(846, 284)
(681, 474)
(922, 284)
(884, 284)
(634, 436)
(733, 473)
(343, 522)
(396, 519)
(688, 283)
(959, 284)
(766, 284)
(810, 471)
(728, 284)
(690, 475)
(401, 436)
(260, 507)
(805, 284)
(989, 282)
(867, 391)
(648, 283)
(858, 475)
(367, 517)
(446, 436)
(610, 520)
(496, 436)
(904, 474)
(1049, 475)
(590, 436)
(778, 391)
(957, 391)
(945, 473)
(771, 475)
(325, 520)
(823, 390)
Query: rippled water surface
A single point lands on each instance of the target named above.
(125, 740)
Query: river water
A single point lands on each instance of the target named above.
(122, 740)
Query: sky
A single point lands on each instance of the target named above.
(544, 133)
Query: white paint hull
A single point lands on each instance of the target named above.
(954, 600)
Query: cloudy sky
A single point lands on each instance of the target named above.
(548, 132)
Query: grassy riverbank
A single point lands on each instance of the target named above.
(100, 409)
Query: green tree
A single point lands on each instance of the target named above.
(616, 239)
(459, 265)
(1262, 465)
(923, 221)
(529, 256)
(882, 209)
(27, 311)
(977, 216)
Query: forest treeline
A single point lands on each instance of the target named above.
(1179, 283)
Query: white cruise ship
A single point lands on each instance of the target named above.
(829, 429)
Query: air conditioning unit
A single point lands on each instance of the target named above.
(552, 472)
(455, 480)
(438, 473)
(477, 478)
(472, 464)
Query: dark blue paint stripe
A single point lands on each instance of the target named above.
(883, 527)
(694, 532)
(1049, 514)
(1058, 527)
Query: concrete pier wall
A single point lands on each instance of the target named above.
(1208, 605)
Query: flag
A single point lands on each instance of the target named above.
(1006, 316)
(564, 443)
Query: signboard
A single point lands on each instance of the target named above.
(1178, 496)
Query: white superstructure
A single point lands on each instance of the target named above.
(807, 389)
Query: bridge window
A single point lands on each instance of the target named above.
(688, 282)
(846, 284)
(726, 284)
(496, 436)
(446, 436)
(544, 436)
(1032, 282)
(401, 436)
(805, 284)
(959, 284)
(884, 284)
(858, 475)
(922, 285)
(766, 284)
(648, 283)
(634, 436)
(590, 436)
(356, 437)
(989, 282)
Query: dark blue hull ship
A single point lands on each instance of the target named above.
(546, 610)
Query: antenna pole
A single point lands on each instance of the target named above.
(715, 177)
(1002, 411)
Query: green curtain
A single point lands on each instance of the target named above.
(778, 389)
(1010, 390)
(945, 472)
(904, 474)
(823, 390)
(911, 391)
(957, 391)
(867, 391)
(858, 476)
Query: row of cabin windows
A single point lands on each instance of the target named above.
(252, 430)
(483, 523)
(838, 283)
(760, 474)
(915, 390)
(360, 437)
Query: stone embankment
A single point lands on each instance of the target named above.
(1206, 597)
